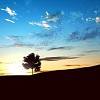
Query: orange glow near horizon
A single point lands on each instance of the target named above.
(18, 69)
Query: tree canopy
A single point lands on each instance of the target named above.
(32, 61)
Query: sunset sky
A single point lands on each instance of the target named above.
(66, 34)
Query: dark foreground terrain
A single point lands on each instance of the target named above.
(74, 82)
(88, 73)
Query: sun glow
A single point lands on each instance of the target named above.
(16, 69)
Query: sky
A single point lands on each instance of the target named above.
(66, 34)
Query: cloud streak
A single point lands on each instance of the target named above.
(1, 62)
(18, 45)
(8, 20)
(57, 58)
(92, 51)
(42, 24)
(73, 65)
(62, 48)
(14, 37)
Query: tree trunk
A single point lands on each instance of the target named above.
(32, 71)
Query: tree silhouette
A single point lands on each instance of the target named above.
(32, 61)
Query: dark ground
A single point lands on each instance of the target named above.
(74, 75)
(72, 82)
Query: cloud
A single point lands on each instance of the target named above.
(92, 51)
(54, 17)
(97, 19)
(49, 34)
(75, 16)
(2, 46)
(44, 35)
(9, 11)
(14, 37)
(80, 55)
(62, 48)
(8, 20)
(31, 23)
(46, 25)
(87, 34)
(57, 58)
(93, 33)
(74, 36)
(95, 12)
(89, 19)
(18, 45)
(17, 41)
(42, 24)
(1, 62)
(23, 45)
(44, 43)
(28, 2)
(57, 48)
(74, 65)
(51, 18)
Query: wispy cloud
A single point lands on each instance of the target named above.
(75, 16)
(78, 16)
(90, 19)
(1, 46)
(16, 39)
(62, 48)
(18, 45)
(57, 58)
(1, 62)
(31, 23)
(47, 37)
(80, 55)
(28, 2)
(74, 65)
(96, 12)
(92, 51)
(84, 35)
(44, 35)
(42, 24)
(12, 37)
(54, 17)
(9, 11)
(8, 20)
(74, 36)
(50, 33)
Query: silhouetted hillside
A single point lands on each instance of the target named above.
(93, 71)
(80, 80)
(72, 74)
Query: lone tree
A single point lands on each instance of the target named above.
(32, 61)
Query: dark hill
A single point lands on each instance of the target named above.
(60, 75)
(75, 81)
(87, 72)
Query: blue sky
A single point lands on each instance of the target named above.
(51, 28)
